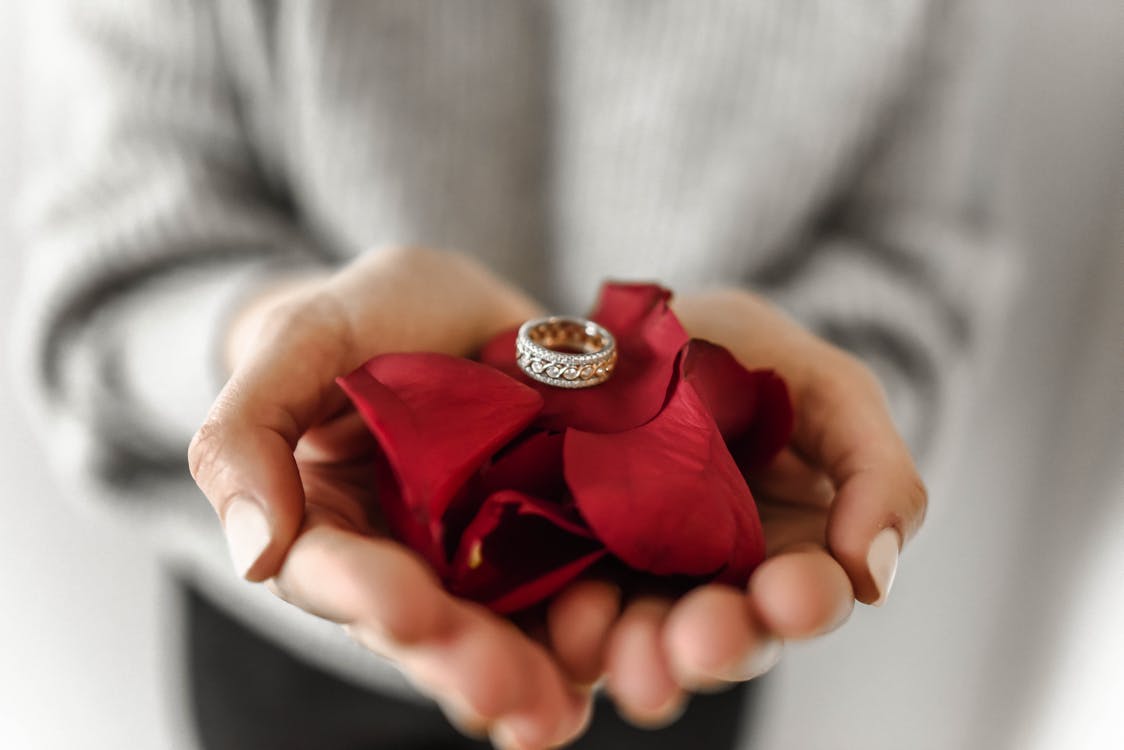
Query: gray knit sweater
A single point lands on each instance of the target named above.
(823, 153)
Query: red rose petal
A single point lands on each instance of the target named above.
(406, 525)
(624, 308)
(751, 407)
(649, 338)
(667, 497)
(550, 583)
(500, 354)
(518, 551)
(437, 419)
(749, 545)
(532, 466)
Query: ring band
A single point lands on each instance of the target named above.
(566, 352)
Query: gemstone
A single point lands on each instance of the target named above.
(537, 366)
(554, 371)
(571, 373)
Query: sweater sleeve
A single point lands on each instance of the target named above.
(151, 221)
(154, 220)
(908, 261)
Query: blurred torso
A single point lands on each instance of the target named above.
(564, 142)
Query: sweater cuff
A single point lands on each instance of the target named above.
(903, 330)
(169, 337)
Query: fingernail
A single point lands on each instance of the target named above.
(823, 491)
(467, 721)
(503, 737)
(667, 714)
(761, 660)
(247, 533)
(882, 561)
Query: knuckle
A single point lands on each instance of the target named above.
(408, 260)
(413, 256)
(494, 697)
(841, 374)
(276, 587)
(284, 318)
(858, 375)
(316, 325)
(409, 611)
(370, 638)
(490, 700)
(204, 451)
(838, 374)
(917, 500)
(404, 626)
(454, 267)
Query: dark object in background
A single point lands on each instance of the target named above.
(247, 694)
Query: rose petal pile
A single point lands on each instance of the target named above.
(511, 489)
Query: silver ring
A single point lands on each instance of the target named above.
(566, 352)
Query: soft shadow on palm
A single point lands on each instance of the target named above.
(788, 525)
(337, 466)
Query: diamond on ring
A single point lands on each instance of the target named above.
(566, 352)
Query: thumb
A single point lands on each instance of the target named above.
(242, 457)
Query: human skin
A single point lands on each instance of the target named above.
(284, 461)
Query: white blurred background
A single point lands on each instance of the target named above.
(1006, 625)
(85, 660)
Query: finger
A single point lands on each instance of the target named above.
(712, 639)
(464, 719)
(357, 580)
(480, 668)
(242, 457)
(791, 479)
(342, 438)
(496, 673)
(579, 621)
(801, 593)
(516, 734)
(639, 676)
(501, 678)
(844, 425)
(557, 715)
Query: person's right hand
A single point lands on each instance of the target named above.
(286, 463)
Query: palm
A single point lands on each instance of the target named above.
(336, 462)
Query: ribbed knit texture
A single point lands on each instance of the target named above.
(825, 154)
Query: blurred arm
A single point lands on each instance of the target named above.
(907, 260)
(152, 224)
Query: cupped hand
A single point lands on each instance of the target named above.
(836, 507)
(286, 463)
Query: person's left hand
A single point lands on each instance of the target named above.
(836, 506)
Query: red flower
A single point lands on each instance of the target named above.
(511, 488)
